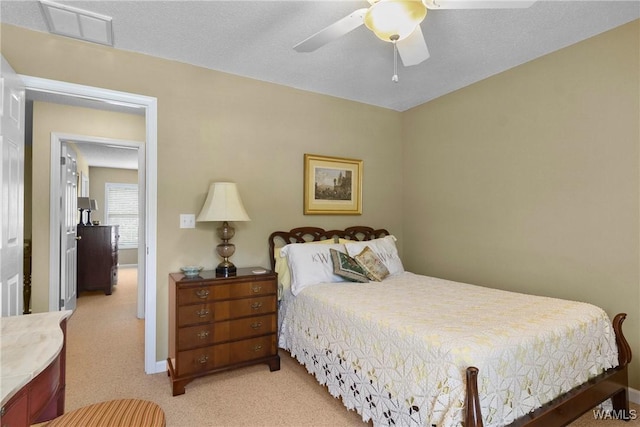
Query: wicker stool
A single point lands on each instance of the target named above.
(113, 413)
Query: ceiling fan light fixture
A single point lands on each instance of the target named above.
(388, 18)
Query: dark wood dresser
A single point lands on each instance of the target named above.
(97, 258)
(221, 323)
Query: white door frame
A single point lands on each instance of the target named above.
(55, 193)
(150, 105)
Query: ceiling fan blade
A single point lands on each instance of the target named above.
(478, 4)
(413, 50)
(332, 32)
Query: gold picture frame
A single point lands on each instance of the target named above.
(332, 185)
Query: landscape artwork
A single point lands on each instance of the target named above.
(332, 185)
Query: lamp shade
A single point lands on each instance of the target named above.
(223, 204)
(84, 203)
(390, 19)
(93, 204)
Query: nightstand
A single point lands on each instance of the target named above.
(221, 323)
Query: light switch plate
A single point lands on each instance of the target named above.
(187, 221)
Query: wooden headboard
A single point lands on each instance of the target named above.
(311, 234)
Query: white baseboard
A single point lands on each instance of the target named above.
(161, 366)
(127, 265)
(634, 395)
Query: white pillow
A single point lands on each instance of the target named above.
(310, 264)
(282, 268)
(384, 247)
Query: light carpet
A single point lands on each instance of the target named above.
(105, 354)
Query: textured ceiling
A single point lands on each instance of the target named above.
(105, 156)
(255, 39)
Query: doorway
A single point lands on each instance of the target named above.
(86, 95)
(112, 154)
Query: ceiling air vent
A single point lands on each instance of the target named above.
(77, 23)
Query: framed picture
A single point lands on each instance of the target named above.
(332, 185)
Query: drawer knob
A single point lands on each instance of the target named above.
(202, 313)
(203, 334)
(257, 348)
(256, 288)
(256, 325)
(203, 359)
(202, 293)
(256, 305)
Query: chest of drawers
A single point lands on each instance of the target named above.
(97, 267)
(221, 323)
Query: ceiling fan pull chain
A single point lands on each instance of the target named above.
(394, 39)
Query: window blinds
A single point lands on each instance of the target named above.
(121, 208)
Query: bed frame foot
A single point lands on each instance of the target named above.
(620, 400)
(620, 403)
(472, 416)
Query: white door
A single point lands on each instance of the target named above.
(11, 190)
(68, 226)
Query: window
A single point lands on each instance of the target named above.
(121, 208)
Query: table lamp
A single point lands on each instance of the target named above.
(83, 205)
(93, 206)
(223, 204)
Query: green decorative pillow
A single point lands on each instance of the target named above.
(372, 265)
(347, 267)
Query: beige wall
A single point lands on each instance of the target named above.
(98, 177)
(529, 180)
(54, 118)
(215, 126)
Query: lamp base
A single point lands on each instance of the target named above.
(89, 223)
(225, 270)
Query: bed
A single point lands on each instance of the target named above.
(418, 350)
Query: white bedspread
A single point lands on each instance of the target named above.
(397, 351)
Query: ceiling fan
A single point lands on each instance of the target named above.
(398, 22)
